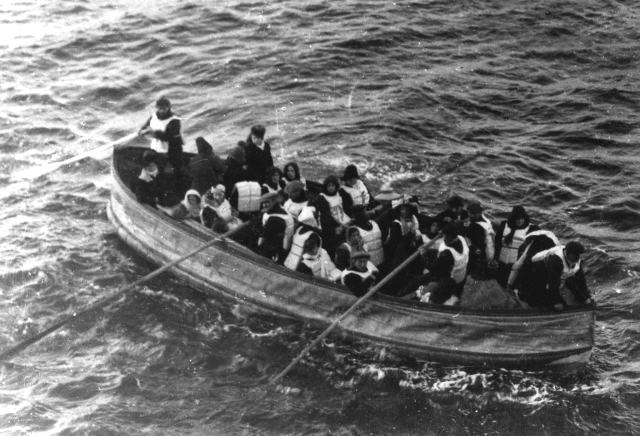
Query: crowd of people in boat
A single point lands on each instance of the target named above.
(340, 232)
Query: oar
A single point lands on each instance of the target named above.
(108, 299)
(362, 299)
(33, 173)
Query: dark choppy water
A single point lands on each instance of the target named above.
(547, 89)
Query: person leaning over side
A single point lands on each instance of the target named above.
(259, 156)
(361, 275)
(165, 128)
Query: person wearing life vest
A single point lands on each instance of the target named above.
(404, 237)
(273, 180)
(361, 275)
(369, 233)
(165, 129)
(316, 261)
(259, 156)
(308, 225)
(296, 198)
(217, 213)
(553, 268)
(292, 173)
(277, 229)
(480, 235)
(509, 237)
(352, 245)
(354, 192)
(445, 281)
(534, 243)
(333, 218)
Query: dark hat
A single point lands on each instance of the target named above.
(574, 247)
(163, 102)
(258, 130)
(268, 196)
(455, 201)
(413, 208)
(474, 208)
(239, 155)
(387, 194)
(350, 172)
(360, 255)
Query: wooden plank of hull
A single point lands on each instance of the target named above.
(515, 338)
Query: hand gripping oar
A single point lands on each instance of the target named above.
(108, 299)
(33, 173)
(362, 299)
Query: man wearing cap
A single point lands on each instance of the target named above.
(553, 268)
(354, 192)
(361, 275)
(259, 156)
(164, 127)
(277, 229)
(480, 234)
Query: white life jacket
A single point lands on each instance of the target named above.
(290, 226)
(358, 193)
(489, 234)
(371, 269)
(294, 208)
(322, 266)
(225, 213)
(157, 124)
(413, 227)
(372, 242)
(546, 233)
(293, 258)
(269, 188)
(249, 194)
(337, 211)
(567, 269)
(460, 260)
(509, 252)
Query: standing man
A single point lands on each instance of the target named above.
(165, 129)
(259, 156)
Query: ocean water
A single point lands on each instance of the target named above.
(547, 90)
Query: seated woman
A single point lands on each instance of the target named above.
(297, 198)
(273, 180)
(354, 191)
(217, 213)
(308, 225)
(292, 172)
(404, 235)
(316, 261)
(190, 207)
(353, 244)
(361, 275)
(148, 186)
(332, 215)
(509, 237)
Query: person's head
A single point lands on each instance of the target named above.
(475, 210)
(450, 233)
(573, 250)
(268, 200)
(359, 260)
(218, 192)
(455, 203)
(150, 161)
(350, 176)
(257, 134)
(273, 175)
(353, 236)
(407, 211)
(434, 228)
(292, 171)
(238, 155)
(203, 146)
(192, 199)
(295, 191)
(518, 218)
(163, 106)
(330, 185)
(311, 245)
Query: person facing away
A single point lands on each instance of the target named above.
(534, 243)
(277, 229)
(361, 275)
(148, 186)
(332, 215)
(316, 261)
(259, 156)
(236, 168)
(206, 168)
(352, 245)
(273, 180)
(480, 234)
(291, 173)
(509, 237)
(448, 274)
(549, 271)
(165, 130)
(296, 198)
(354, 192)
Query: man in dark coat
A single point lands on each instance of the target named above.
(259, 156)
